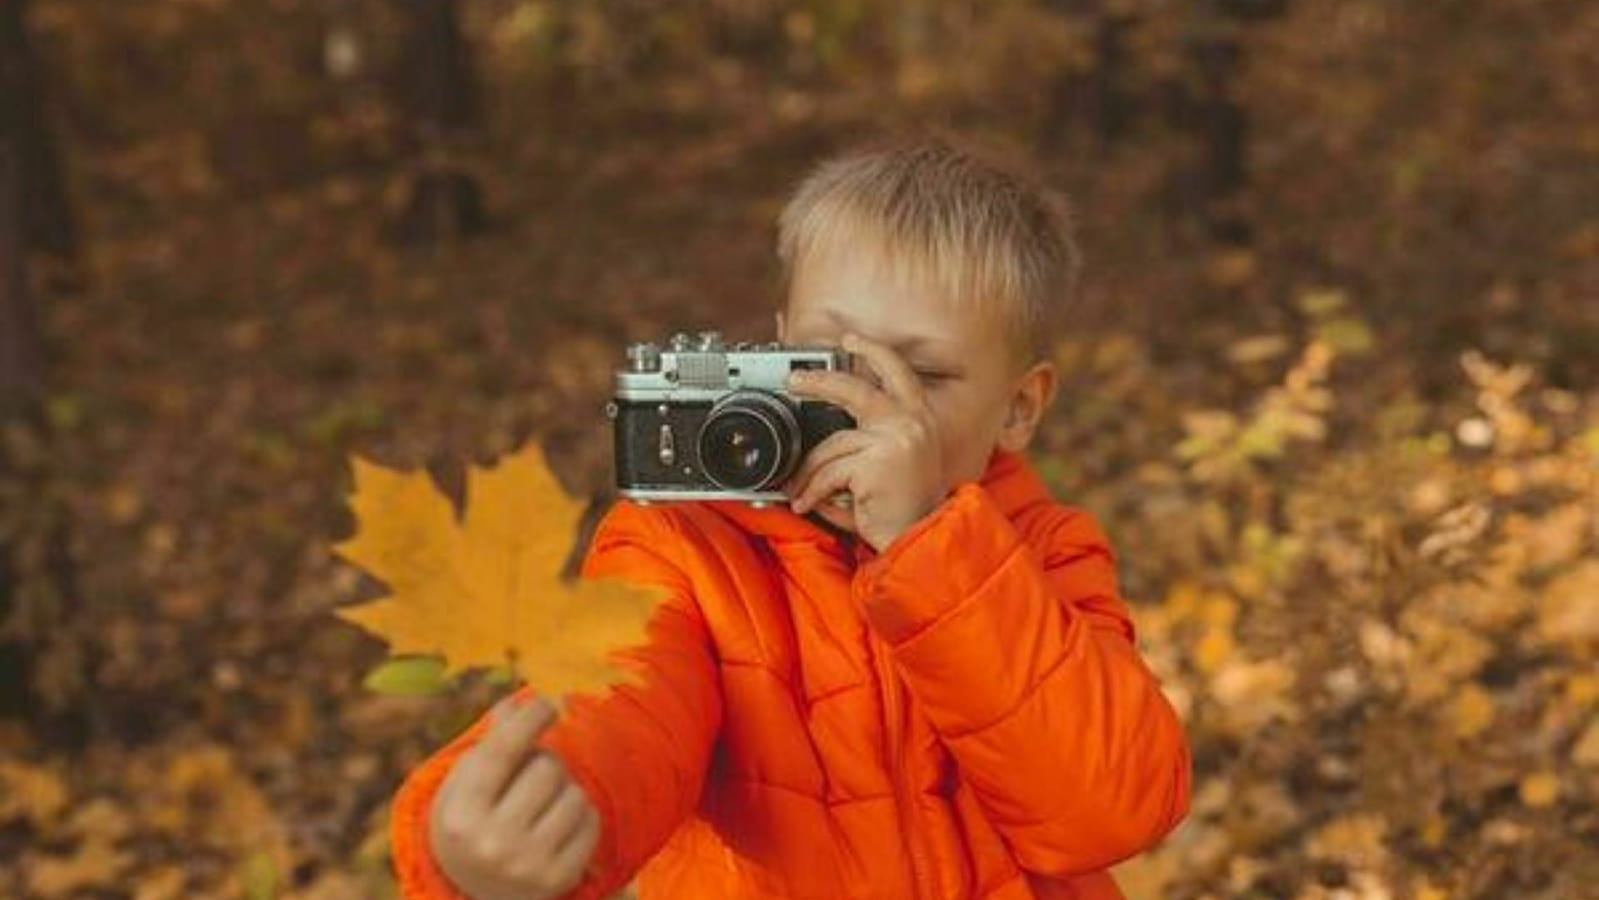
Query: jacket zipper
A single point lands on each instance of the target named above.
(896, 767)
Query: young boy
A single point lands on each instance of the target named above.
(918, 682)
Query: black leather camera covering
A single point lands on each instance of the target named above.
(637, 428)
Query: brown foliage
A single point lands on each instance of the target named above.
(1333, 396)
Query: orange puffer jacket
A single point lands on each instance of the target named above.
(961, 716)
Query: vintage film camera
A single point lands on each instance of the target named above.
(698, 419)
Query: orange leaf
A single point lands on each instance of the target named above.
(1540, 789)
(486, 590)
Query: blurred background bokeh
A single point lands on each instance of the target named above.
(1333, 388)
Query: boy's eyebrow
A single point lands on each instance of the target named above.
(901, 345)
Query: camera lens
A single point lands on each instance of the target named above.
(749, 441)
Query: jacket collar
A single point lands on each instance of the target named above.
(1009, 479)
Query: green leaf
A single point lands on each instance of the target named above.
(1321, 303)
(64, 410)
(1261, 441)
(1258, 348)
(408, 676)
(499, 675)
(1346, 334)
(1192, 448)
(343, 418)
(1590, 439)
(260, 876)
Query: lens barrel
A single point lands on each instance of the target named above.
(750, 441)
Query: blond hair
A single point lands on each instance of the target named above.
(943, 213)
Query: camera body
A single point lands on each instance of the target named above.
(698, 419)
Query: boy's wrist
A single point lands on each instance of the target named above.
(911, 584)
(887, 537)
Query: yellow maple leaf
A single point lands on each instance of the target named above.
(37, 793)
(1214, 649)
(1471, 711)
(486, 590)
(1540, 789)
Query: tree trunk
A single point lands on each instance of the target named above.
(47, 221)
(1205, 106)
(1098, 103)
(33, 214)
(21, 361)
(439, 99)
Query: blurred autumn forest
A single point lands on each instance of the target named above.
(1334, 388)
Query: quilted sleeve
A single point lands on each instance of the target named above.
(640, 751)
(1024, 661)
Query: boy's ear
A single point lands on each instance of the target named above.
(1031, 399)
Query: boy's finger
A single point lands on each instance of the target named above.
(575, 853)
(827, 480)
(858, 398)
(891, 368)
(519, 719)
(814, 489)
(531, 790)
(832, 449)
(835, 445)
(517, 716)
(587, 826)
(556, 823)
(515, 723)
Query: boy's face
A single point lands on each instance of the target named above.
(970, 378)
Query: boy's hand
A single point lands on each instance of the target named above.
(509, 822)
(890, 462)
